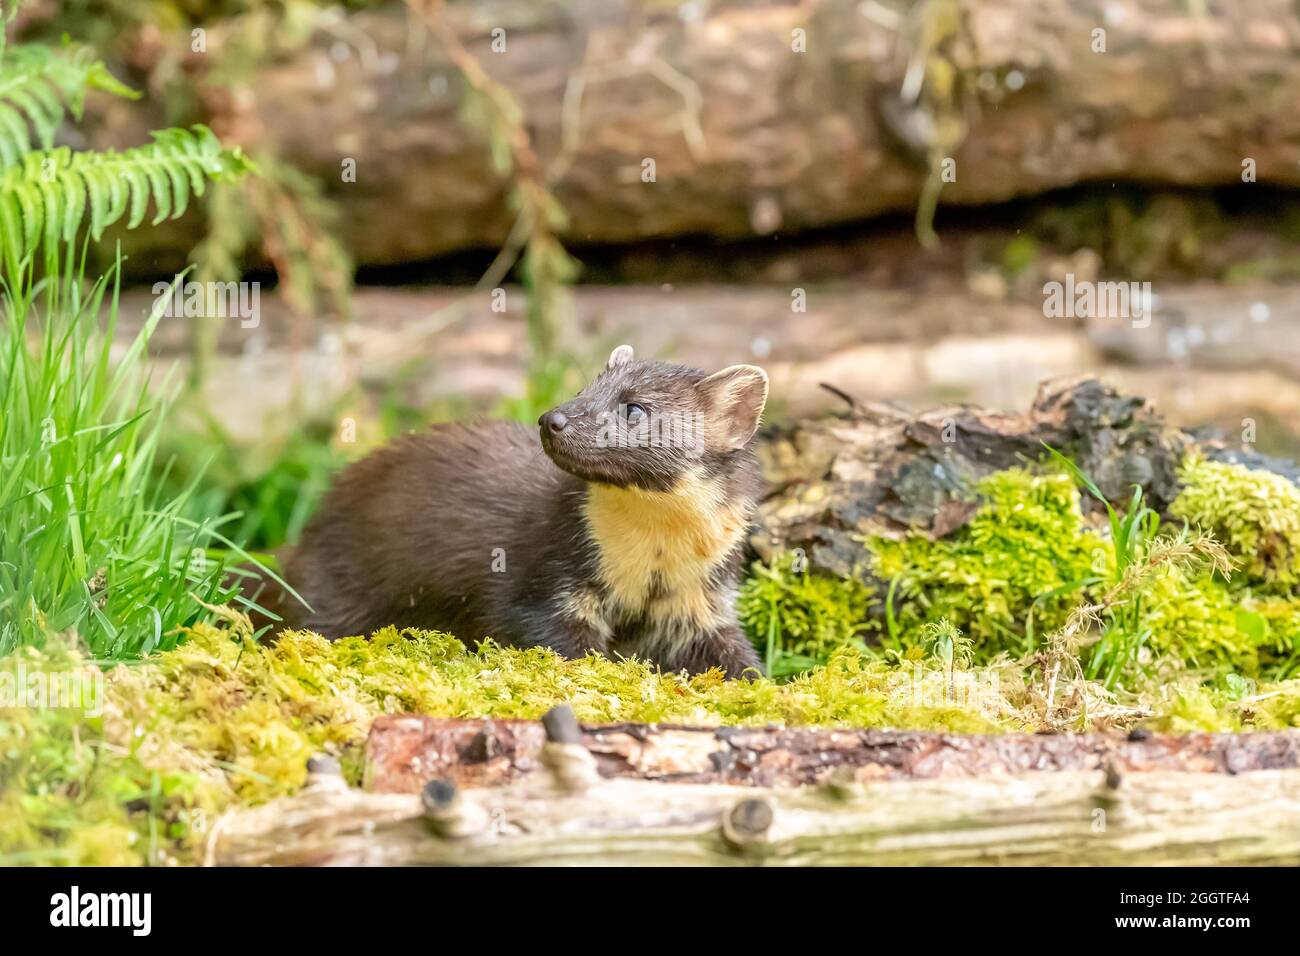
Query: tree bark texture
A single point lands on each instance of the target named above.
(405, 752)
(766, 116)
(570, 814)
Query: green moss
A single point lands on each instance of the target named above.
(1248, 624)
(1254, 514)
(798, 617)
(1014, 571)
(1195, 710)
(1229, 707)
(1205, 623)
(219, 721)
(1028, 557)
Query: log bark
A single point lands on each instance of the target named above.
(405, 752)
(748, 135)
(1076, 817)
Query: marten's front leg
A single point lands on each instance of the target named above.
(726, 647)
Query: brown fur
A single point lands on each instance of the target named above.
(571, 543)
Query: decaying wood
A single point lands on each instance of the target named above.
(1077, 817)
(405, 752)
(754, 128)
(875, 470)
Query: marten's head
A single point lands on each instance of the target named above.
(649, 424)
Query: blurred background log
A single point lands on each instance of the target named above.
(776, 172)
(760, 117)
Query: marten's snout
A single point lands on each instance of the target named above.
(554, 421)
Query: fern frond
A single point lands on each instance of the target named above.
(46, 198)
(39, 87)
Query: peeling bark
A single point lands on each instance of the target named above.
(403, 753)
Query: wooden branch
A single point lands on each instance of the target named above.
(403, 753)
(1079, 817)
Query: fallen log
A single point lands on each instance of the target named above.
(762, 116)
(1200, 813)
(406, 752)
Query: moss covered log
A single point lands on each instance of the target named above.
(221, 722)
(884, 525)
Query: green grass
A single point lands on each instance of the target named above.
(1132, 535)
(89, 543)
(271, 486)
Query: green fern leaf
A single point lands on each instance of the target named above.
(42, 107)
(97, 193)
(38, 87)
(160, 186)
(52, 197)
(180, 182)
(74, 207)
(48, 194)
(10, 221)
(32, 202)
(14, 141)
(138, 183)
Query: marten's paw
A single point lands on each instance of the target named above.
(727, 649)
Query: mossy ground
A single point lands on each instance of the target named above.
(220, 722)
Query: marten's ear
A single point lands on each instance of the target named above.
(734, 400)
(620, 356)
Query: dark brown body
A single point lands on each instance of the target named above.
(575, 543)
(410, 535)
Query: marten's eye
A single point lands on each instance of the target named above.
(634, 413)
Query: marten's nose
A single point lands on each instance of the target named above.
(554, 422)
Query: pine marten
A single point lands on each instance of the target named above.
(620, 531)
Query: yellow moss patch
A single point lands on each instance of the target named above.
(1254, 514)
(219, 722)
